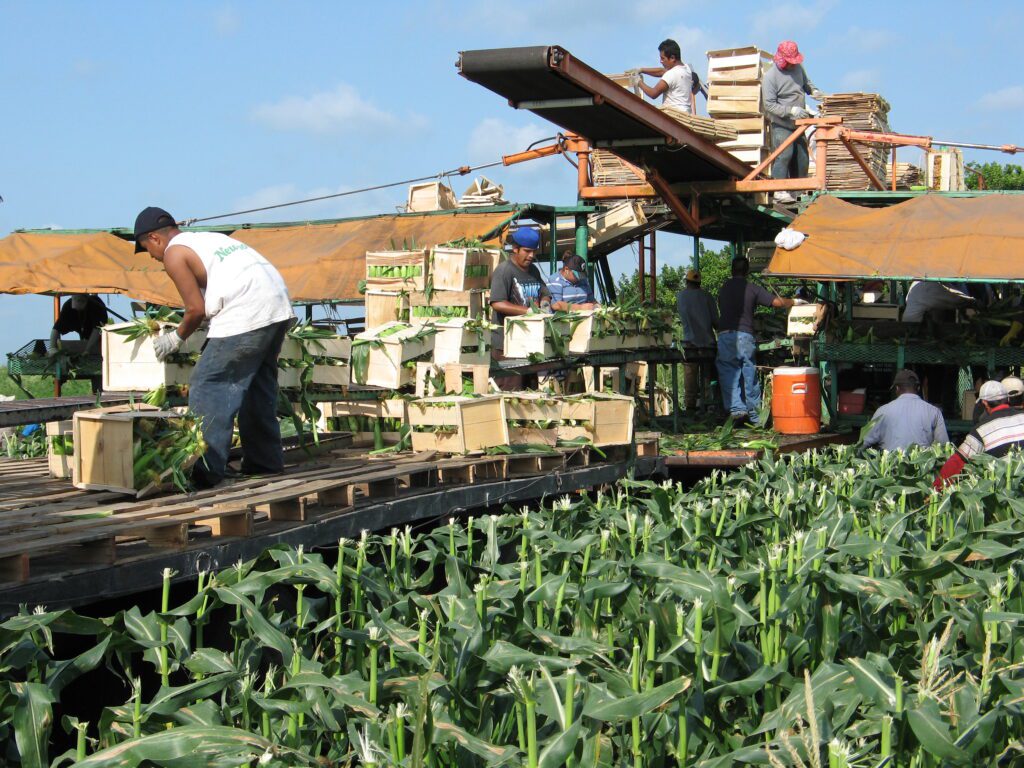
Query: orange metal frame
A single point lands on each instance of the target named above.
(828, 130)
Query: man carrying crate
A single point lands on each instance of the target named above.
(246, 302)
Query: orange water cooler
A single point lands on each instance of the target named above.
(796, 401)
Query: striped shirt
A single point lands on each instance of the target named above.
(997, 433)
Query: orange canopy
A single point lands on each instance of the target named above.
(319, 262)
(931, 236)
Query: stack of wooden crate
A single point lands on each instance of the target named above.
(945, 167)
(458, 285)
(864, 112)
(734, 99)
(390, 276)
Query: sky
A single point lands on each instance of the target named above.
(213, 107)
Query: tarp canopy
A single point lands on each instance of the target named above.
(931, 236)
(319, 261)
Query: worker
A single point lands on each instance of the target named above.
(676, 86)
(928, 299)
(569, 287)
(782, 92)
(1014, 391)
(999, 431)
(907, 420)
(246, 302)
(516, 287)
(82, 314)
(698, 314)
(737, 374)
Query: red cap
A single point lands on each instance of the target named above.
(787, 54)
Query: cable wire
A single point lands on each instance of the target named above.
(461, 171)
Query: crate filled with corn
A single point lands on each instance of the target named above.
(458, 425)
(461, 266)
(533, 418)
(136, 450)
(129, 361)
(386, 356)
(397, 270)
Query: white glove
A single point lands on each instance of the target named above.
(799, 113)
(799, 302)
(817, 94)
(167, 344)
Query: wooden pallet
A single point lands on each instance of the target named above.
(53, 527)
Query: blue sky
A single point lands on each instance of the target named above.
(211, 107)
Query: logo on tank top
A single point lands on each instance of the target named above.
(222, 253)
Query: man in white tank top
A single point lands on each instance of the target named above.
(676, 83)
(246, 302)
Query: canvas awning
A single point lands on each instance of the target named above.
(931, 236)
(319, 261)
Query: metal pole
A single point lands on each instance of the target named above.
(583, 243)
(56, 373)
(641, 278)
(654, 268)
(554, 242)
(675, 397)
(696, 253)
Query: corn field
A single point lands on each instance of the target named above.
(818, 609)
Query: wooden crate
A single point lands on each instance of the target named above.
(430, 196)
(384, 270)
(461, 269)
(617, 220)
(454, 343)
(428, 310)
(527, 335)
(471, 423)
(390, 408)
(733, 65)
(529, 409)
(60, 465)
(338, 347)
(131, 365)
(602, 418)
(385, 307)
(592, 333)
(731, 100)
(105, 449)
(434, 380)
(387, 355)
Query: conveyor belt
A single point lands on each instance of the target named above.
(551, 83)
(43, 409)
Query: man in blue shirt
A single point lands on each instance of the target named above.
(569, 286)
(908, 420)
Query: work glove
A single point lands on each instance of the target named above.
(1015, 328)
(799, 302)
(167, 344)
(799, 113)
(817, 94)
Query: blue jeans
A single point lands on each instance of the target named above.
(237, 375)
(794, 160)
(737, 376)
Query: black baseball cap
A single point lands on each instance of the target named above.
(572, 260)
(150, 220)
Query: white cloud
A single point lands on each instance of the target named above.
(227, 21)
(865, 80)
(340, 112)
(1003, 100)
(789, 19)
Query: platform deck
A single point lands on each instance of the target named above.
(60, 546)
